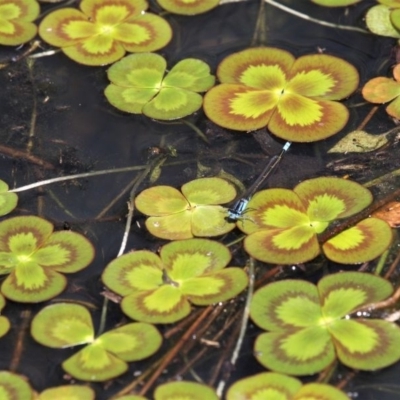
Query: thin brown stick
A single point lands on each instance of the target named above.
(392, 266)
(19, 347)
(20, 154)
(367, 118)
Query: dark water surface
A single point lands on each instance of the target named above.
(76, 130)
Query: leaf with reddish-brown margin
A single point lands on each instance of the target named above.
(62, 325)
(286, 304)
(258, 67)
(184, 390)
(137, 270)
(366, 344)
(393, 109)
(159, 201)
(239, 107)
(295, 351)
(273, 209)
(209, 221)
(132, 342)
(215, 287)
(153, 33)
(183, 7)
(65, 251)
(320, 391)
(160, 306)
(381, 90)
(23, 235)
(14, 387)
(94, 364)
(131, 397)
(323, 76)
(171, 227)
(329, 198)
(68, 392)
(361, 243)
(95, 8)
(30, 283)
(172, 103)
(266, 385)
(378, 21)
(211, 191)
(324, 119)
(16, 16)
(8, 201)
(342, 293)
(191, 258)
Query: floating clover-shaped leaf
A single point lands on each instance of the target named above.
(184, 390)
(188, 7)
(335, 3)
(4, 322)
(68, 392)
(270, 385)
(383, 90)
(308, 326)
(34, 257)
(14, 387)
(378, 19)
(8, 201)
(160, 289)
(105, 357)
(283, 224)
(104, 30)
(195, 211)
(294, 98)
(16, 18)
(140, 86)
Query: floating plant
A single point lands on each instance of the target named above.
(188, 7)
(4, 322)
(159, 289)
(270, 385)
(295, 99)
(309, 325)
(282, 225)
(8, 201)
(16, 18)
(382, 90)
(140, 85)
(335, 3)
(13, 386)
(195, 211)
(68, 392)
(104, 30)
(184, 390)
(384, 19)
(105, 357)
(35, 257)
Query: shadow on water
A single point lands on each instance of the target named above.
(75, 130)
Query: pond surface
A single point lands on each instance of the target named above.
(55, 121)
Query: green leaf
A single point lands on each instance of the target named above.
(131, 342)
(62, 325)
(295, 352)
(395, 18)
(361, 243)
(68, 392)
(320, 391)
(94, 364)
(183, 7)
(335, 3)
(8, 201)
(342, 293)
(381, 90)
(13, 386)
(208, 221)
(184, 390)
(366, 344)
(378, 21)
(286, 304)
(329, 198)
(4, 326)
(266, 385)
(171, 227)
(141, 270)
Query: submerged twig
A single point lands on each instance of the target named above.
(20, 154)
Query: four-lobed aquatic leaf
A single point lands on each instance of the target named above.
(8, 201)
(4, 321)
(295, 99)
(104, 30)
(16, 16)
(13, 386)
(308, 325)
(335, 3)
(378, 20)
(282, 225)
(184, 390)
(188, 7)
(159, 289)
(105, 357)
(382, 90)
(140, 85)
(67, 392)
(193, 211)
(35, 258)
(271, 385)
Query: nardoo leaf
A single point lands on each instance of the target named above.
(184, 390)
(188, 7)
(68, 392)
(379, 22)
(13, 386)
(8, 201)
